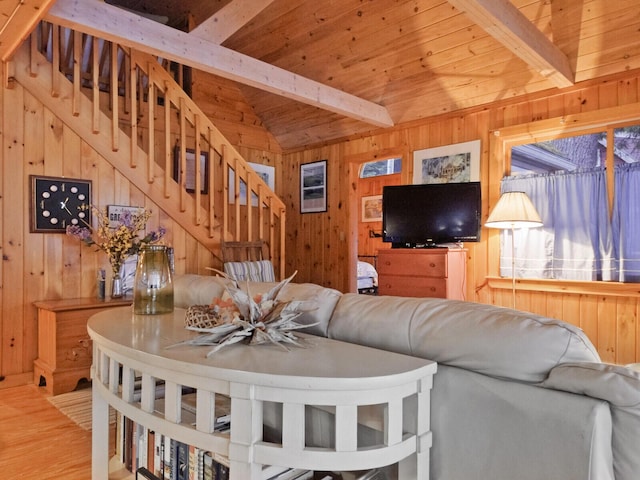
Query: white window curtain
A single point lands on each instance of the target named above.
(575, 242)
(626, 222)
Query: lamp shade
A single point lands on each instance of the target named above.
(514, 210)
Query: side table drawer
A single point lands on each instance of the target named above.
(412, 286)
(422, 265)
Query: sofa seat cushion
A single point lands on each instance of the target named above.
(491, 340)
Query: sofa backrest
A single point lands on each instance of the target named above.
(492, 340)
(191, 289)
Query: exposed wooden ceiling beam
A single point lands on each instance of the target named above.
(504, 22)
(18, 19)
(105, 21)
(229, 19)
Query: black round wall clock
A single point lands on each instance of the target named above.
(57, 202)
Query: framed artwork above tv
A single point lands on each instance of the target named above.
(455, 163)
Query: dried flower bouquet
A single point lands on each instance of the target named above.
(243, 318)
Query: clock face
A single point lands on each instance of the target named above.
(57, 203)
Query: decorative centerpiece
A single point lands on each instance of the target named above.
(119, 241)
(245, 318)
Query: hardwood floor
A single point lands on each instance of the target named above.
(37, 441)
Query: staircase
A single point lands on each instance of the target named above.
(128, 107)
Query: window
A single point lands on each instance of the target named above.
(585, 188)
(378, 168)
(562, 154)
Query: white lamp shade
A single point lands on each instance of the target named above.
(514, 210)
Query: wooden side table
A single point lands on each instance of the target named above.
(64, 346)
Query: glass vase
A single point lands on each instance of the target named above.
(116, 285)
(153, 284)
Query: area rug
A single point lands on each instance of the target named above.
(77, 406)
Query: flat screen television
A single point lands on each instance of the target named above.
(428, 215)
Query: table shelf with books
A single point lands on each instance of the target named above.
(331, 406)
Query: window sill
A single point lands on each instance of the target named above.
(606, 289)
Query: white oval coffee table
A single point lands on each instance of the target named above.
(131, 359)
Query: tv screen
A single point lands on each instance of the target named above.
(429, 215)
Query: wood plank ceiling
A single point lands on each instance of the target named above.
(314, 71)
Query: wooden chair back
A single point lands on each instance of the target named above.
(245, 251)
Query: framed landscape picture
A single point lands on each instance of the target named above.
(266, 172)
(313, 187)
(455, 163)
(372, 208)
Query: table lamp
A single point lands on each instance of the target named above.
(513, 210)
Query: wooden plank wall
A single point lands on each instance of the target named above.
(51, 266)
(322, 246)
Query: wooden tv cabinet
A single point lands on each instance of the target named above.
(423, 272)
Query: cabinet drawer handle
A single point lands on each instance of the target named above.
(432, 265)
(84, 342)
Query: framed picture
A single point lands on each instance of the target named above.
(190, 169)
(455, 163)
(372, 208)
(266, 172)
(313, 187)
(114, 212)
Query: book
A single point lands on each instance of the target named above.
(374, 474)
(208, 466)
(127, 447)
(193, 475)
(151, 445)
(295, 474)
(166, 458)
(271, 472)
(182, 467)
(141, 446)
(144, 473)
(157, 455)
(222, 471)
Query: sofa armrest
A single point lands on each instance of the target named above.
(487, 428)
(620, 387)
